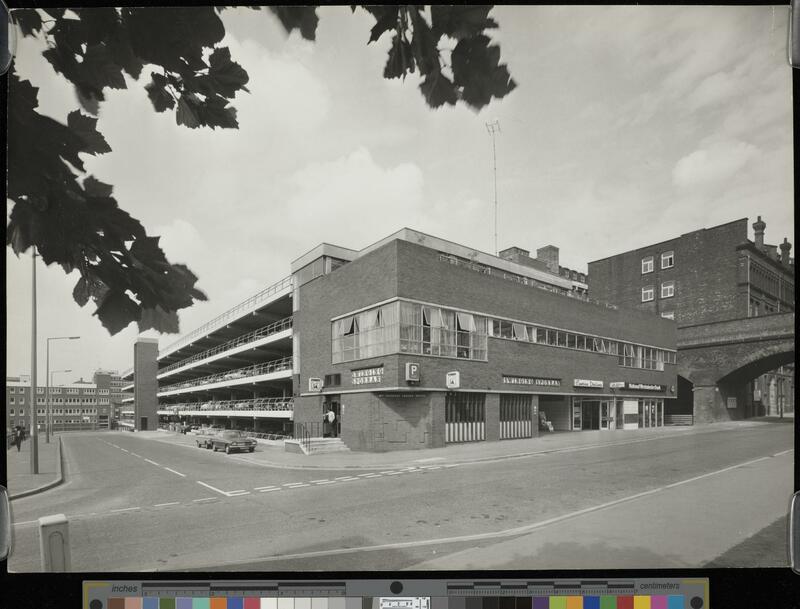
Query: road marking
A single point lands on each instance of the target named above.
(123, 450)
(343, 478)
(268, 490)
(205, 499)
(174, 472)
(153, 462)
(328, 482)
(126, 509)
(292, 484)
(783, 453)
(394, 473)
(261, 488)
(318, 481)
(135, 455)
(389, 472)
(372, 475)
(506, 533)
(237, 493)
(429, 459)
(213, 488)
(170, 503)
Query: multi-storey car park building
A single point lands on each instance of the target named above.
(706, 279)
(415, 342)
(74, 406)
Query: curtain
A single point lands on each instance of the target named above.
(520, 331)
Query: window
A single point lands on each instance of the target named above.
(670, 315)
(11, 412)
(72, 390)
(647, 293)
(647, 265)
(519, 331)
(333, 380)
(21, 400)
(10, 400)
(40, 390)
(22, 412)
(56, 390)
(668, 289)
(667, 260)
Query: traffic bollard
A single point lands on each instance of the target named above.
(54, 543)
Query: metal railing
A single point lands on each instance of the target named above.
(273, 328)
(678, 419)
(228, 315)
(252, 405)
(276, 365)
(304, 432)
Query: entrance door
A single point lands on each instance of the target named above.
(332, 429)
(142, 423)
(576, 417)
(604, 415)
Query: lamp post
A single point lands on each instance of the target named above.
(47, 389)
(34, 419)
(49, 422)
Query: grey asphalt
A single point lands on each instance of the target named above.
(127, 513)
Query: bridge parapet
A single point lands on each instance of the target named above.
(744, 330)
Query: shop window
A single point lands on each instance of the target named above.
(668, 289)
(667, 260)
(647, 265)
(647, 293)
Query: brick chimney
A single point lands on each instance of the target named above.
(786, 247)
(549, 255)
(759, 226)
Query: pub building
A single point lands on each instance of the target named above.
(418, 342)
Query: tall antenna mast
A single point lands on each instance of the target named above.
(493, 127)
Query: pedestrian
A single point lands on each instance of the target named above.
(330, 416)
(20, 438)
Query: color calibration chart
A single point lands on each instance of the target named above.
(636, 593)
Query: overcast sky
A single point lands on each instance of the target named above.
(630, 125)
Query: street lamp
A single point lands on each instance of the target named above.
(47, 389)
(49, 422)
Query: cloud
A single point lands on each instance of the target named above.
(354, 198)
(713, 166)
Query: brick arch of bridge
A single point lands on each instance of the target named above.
(720, 374)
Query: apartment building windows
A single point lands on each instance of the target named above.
(647, 265)
(668, 289)
(667, 260)
(647, 293)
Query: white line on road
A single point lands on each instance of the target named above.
(153, 462)
(394, 473)
(372, 475)
(216, 490)
(174, 472)
(292, 484)
(261, 488)
(135, 455)
(205, 499)
(268, 490)
(389, 472)
(170, 503)
(126, 509)
(328, 482)
(346, 478)
(123, 449)
(783, 452)
(318, 481)
(515, 532)
(237, 493)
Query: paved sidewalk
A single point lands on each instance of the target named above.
(19, 476)
(276, 456)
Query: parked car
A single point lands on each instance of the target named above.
(230, 441)
(206, 435)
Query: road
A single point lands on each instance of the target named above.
(139, 504)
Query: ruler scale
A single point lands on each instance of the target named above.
(637, 593)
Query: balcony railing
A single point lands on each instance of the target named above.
(229, 315)
(276, 365)
(252, 405)
(273, 328)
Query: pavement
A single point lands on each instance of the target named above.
(18, 473)
(274, 455)
(154, 501)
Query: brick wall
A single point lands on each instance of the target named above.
(705, 273)
(145, 386)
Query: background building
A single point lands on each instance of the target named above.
(701, 278)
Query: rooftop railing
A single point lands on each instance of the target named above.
(254, 405)
(273, 328)
(229, 315)
(276, 365)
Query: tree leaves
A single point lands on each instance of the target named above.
(438, 90)
(226, 77)
(478, 73)
(461, 21)
(303, 18)
(161, 99)
(29, 21)
(85, 127)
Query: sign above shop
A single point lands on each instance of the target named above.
(453, 380)
(368, 376)
(617, 385)
(400, 395)
(314, 384)
(588, 383)
(531, 380)
(412, 372)
(645, 387)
